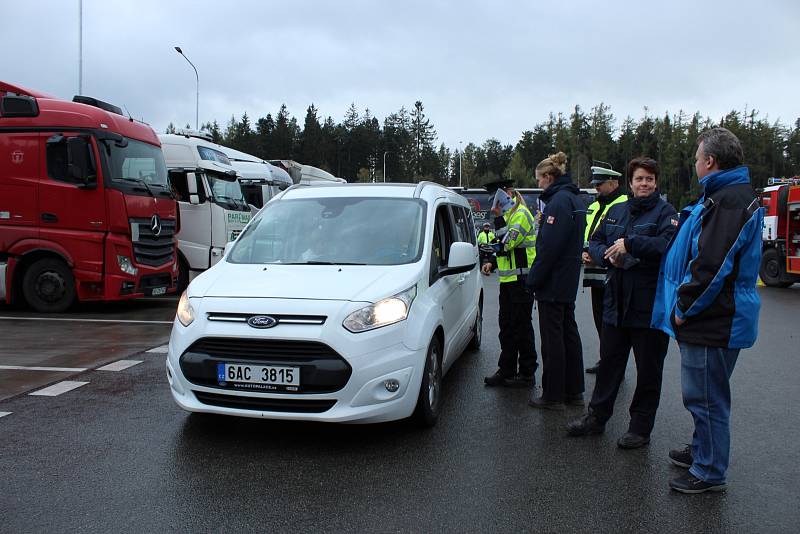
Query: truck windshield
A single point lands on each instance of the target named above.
(137, 161)
(226, 192)
(334, 231)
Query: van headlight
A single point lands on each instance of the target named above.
(185, 311)
(383, 313)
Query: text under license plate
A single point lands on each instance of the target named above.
(260, 376)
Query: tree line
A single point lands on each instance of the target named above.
(356, 148)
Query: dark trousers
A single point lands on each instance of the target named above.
(597, 307)
(562, 353)
(517, 341)
(649, 350)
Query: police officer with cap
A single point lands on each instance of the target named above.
(606, 182)
(514, 254)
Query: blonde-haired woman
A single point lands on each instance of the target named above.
(554, 278)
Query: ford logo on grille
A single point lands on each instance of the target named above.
(262, 321)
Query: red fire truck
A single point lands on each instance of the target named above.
(86, 212)
(780, 262)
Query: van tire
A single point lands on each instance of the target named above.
(48, 286)
(477, 330)
(429, 401)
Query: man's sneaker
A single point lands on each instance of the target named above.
(497, 379)
(632, 441)
(689, 483)
(682, 457)
(585, 425)
(593, 369)
(522, 381)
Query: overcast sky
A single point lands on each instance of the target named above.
(482, 69)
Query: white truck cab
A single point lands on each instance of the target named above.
(260, 180)
(212, 208)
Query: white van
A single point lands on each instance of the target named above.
(212, 208)
(339, 303)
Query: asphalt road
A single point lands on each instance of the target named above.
(117, 455)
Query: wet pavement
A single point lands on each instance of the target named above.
(116, 454)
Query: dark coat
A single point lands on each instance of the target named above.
(556, 271)
(647, 225)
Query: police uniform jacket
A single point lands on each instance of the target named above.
(595, 275)
(647, 225)
(556, 271)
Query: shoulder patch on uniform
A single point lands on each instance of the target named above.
(513, 234)
(550, 219)
(674, 221)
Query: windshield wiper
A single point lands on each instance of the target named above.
(142, 182)
(322, 263)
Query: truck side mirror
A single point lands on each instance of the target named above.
(191, 184)
(79, 167)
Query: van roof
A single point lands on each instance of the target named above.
(428, 191)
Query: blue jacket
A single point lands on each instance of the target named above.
(556, 270)
(647, 225)
(709, 272)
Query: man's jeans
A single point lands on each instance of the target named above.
(705, 375)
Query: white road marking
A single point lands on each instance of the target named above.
(120, 365)
(26, 368)
(121, 321)
(58, 389)
(3, 414)
(163, 349)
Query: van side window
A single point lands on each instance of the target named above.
(443, 237)
(463, 225)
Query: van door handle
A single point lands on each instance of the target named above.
(461, 279)
(49, 217)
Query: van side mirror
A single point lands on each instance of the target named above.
(79, 166)
(191, 184)
(462, 258)
(194, 199)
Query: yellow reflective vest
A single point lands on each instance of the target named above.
(485, 238)
(595, 275)
(519, 246)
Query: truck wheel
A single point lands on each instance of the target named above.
(429, 401)
(771, 271)
(183, 276)
(48, 286)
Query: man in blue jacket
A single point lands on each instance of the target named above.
(707, 300)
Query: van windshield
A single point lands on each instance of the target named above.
(334, 231)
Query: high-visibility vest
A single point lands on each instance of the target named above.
(519, 246)
(595, 275)
(485, 238)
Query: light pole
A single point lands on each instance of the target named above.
(197, 102)
(80, 47)
(460, 153)
(384, 164)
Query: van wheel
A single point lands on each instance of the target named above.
(430, 391)
(771, 271)
(183, 276)
(477, 330)
(48, 286)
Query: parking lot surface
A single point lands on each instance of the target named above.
(116, 454)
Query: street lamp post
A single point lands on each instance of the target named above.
(197, 101)
(384, 165)
(460, 153)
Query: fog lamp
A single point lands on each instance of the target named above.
(391, 385)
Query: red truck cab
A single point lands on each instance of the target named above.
(780, 260)
(86, 211)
